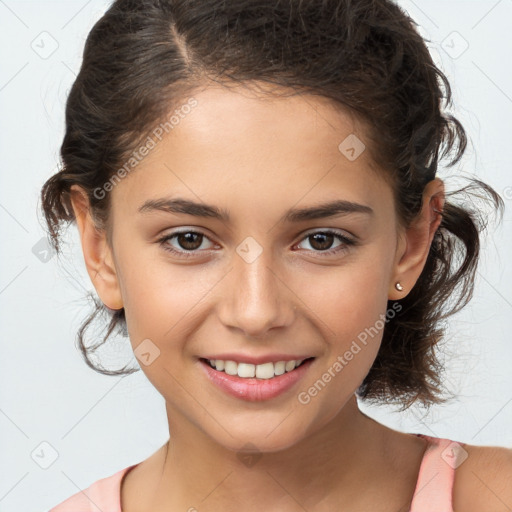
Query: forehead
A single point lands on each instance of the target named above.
(241, 147)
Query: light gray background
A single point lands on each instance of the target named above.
(53, 406)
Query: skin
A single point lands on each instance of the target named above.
(257, 159)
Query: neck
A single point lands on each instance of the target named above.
(195, 471)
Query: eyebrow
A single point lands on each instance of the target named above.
(320, 211)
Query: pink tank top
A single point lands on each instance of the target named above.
(433, 488)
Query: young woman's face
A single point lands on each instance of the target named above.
(258, 285)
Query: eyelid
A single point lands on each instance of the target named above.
(346, 242)
(180, 231)
(336, 231)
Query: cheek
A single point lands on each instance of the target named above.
(162, 301)
(346, 299)
(349, 307)
(351, 324)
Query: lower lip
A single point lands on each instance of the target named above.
(252, 389)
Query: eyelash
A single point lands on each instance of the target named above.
(348, 242)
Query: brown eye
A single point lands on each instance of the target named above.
(189, 240)
(188, 243)
(322, 242)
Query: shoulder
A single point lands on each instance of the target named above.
(483, 481)
(103, 494)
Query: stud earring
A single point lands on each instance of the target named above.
(398, 286)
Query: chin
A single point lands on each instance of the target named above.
(263, 436)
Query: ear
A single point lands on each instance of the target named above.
(414, 244)
(97, 253)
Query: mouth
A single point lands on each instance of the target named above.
(268, 370)
(255, 382)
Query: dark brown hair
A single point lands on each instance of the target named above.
(143, 57)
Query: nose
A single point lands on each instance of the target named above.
(255, 298)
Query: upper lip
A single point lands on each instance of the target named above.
(269, 358)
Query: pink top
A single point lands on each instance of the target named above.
(433, 489)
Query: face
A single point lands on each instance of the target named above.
(261, 284)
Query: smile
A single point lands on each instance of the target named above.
(259, 371)
(263, 381)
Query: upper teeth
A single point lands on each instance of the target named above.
(260, 371)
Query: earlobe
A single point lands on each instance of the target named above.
(97, 253)
(417, 240)
(398, 279)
